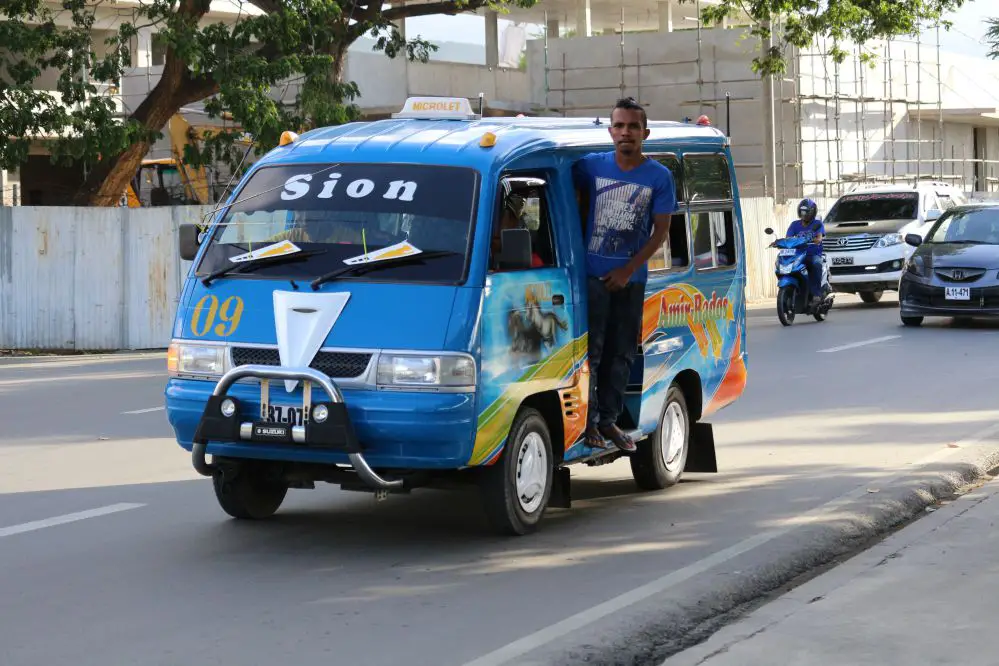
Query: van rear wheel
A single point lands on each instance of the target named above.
(516, 488)
(660, 459)
(247, 490)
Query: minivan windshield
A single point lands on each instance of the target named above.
(874, 207)
(975, 226)
(338, 212)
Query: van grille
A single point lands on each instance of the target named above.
(343, 365)
(849, 243)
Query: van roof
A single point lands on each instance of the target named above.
(456, 142)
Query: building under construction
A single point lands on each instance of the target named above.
(913, 112)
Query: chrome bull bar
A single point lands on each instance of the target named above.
(357, 461)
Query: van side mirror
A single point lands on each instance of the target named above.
(189, 241)
(915, 240)
(515, 249)
(768, 231)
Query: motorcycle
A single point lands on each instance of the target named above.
(794, 294)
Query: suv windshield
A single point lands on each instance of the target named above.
(875, 206)
(973, 226)
(336, 212)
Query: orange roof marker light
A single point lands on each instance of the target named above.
(288, 137)
(488, 140)
(704, 120)
(437, 108)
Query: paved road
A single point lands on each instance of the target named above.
(158, 575)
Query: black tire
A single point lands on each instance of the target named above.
(820, 315)
(870, 296)
(785, 305)
(247, 492)
(911, 321)
(649, 466)
(509, 510)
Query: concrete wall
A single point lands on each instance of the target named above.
(110, 278)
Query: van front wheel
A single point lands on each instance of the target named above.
(516, 488)
(247, 491)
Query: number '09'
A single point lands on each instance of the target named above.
(228, 314)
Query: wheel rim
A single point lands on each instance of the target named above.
(673, 436)
(532, 472)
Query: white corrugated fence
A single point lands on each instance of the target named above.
(109, 278)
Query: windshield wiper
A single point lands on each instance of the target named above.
(257, 263)
(357, 269)
(963, 242)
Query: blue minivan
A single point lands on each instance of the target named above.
(366, 310)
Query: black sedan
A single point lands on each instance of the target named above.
(954, 271)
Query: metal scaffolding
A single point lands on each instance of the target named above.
(826, 126)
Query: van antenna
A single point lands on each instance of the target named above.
(228, 185)
(482, 97)
(728, 114)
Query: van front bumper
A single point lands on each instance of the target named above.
(368, 430)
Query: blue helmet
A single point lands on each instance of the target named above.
(808, 209)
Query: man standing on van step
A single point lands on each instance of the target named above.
(631, 200)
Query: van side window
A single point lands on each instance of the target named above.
(675, 254)
(712, 210)
(525, 206)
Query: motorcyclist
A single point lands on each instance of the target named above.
(809, 226)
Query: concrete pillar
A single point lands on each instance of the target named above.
(10, 188)
(143, 54)
(492, 39)
(666, 16)
(553, 28)
(584, 26)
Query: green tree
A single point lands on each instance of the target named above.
(801, 21)
(235, 68)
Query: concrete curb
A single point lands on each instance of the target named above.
(690, 613)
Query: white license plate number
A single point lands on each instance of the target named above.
(787, 252)
(842, 261)
(957, 293)
(284, 414)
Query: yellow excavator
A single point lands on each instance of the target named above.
(169, 181)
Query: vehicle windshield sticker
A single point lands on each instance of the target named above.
(274, 250)
(403, 249)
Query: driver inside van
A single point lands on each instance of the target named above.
(511, 217)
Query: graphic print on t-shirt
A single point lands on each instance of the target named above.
(619, 216)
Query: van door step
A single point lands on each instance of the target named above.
(597, 457)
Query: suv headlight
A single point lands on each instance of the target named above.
(194, 360)
(415, 371)
(888, 240)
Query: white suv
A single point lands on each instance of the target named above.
(865, 231)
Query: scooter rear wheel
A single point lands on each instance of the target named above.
(785, 305)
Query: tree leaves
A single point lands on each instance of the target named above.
(801, 21)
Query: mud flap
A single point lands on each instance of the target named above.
(561, 497)
(701, 455)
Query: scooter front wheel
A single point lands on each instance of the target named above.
(785, 305)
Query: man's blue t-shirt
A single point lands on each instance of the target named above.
(622, 204)
(798, 228)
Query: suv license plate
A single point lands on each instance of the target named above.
(957, 293)
(842, 261)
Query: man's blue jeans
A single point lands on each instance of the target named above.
(615, 321)
(813, 262)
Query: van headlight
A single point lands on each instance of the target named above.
(193, 360)
(415, 371)
(888, 240)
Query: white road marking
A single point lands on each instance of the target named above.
(145, 411)
(862, 343)
(518, 648)
(68, 518)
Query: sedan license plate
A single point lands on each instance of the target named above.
(842, 261)
(957, 293)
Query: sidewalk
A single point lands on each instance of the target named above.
(929, 594)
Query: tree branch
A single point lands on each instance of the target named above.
(441, 7)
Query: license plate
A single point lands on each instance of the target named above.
(284, 414)
(787, 252)
(842, 261)
(294, 415)
(957, 293)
